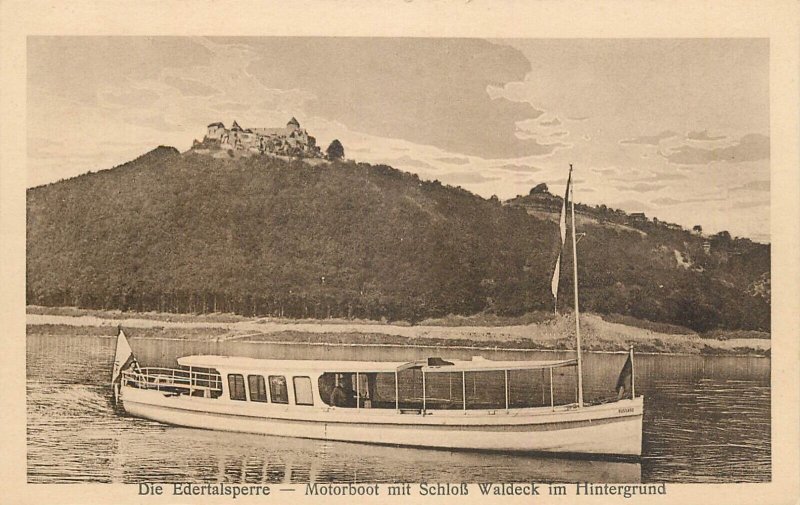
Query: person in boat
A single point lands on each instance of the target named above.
(338, 395)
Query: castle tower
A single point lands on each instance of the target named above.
(293, 124)
(215, 130)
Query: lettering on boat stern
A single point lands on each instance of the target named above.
(626, 410)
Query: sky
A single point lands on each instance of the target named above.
(675, 128)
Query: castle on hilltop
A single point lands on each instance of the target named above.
(288, 141)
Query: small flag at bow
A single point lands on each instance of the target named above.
(123, 358)
(625, 378)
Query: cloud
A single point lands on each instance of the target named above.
(467, 177)
(563, 182)
(665, 201)
(580, 118)
(406, 88)
(408, 161)
(359, 149)
(644, 187)
(753, 186)
(552, 122)
(520, 168)
(190, 87)
(454, 160)
(751, 147)
(605, 171)
(542, 149)
(653, 177)
(132, 97)
(702, 136)
(226, 107)
(559, 134)
(749, 205)
(650, 140)
(78, 68)
(666, 176)
(155, 122)
(631, 206)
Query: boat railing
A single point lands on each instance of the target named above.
(175, 380)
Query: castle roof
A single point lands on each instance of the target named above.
(216, 124)
(270, 131)
(235, 126)
(293, 122)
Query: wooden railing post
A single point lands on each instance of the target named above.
(505, 372)
(464, 389)
(424, 403)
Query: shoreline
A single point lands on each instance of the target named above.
(556, 334)
(454, 347)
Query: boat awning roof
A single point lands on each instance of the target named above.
(429, 365)
(304, 365)
(478, 364)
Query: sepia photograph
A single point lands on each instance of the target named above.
(424, 266)
(544, 249)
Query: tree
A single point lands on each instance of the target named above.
(698, 229)
(723, 236)
(539, 188)
(335, 150)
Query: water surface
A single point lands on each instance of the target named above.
(707, 419)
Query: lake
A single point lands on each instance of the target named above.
(707, 419)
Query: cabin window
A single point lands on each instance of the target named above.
(277, 389)
(258, 388)
(410, 388)
(302, 391)
(529, 388)
(485, 390)
(443, 390)
(565, 385)
(337, 389)
(236, 387)
(377, 389)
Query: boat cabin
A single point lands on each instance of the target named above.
(415, 387)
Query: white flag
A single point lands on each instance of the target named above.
(123, 355)
(562, 222)
(556, 276)
(562, 226)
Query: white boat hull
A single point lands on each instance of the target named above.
(611, 429)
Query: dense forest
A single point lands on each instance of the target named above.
(263, 236)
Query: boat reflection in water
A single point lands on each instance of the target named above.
(198, 456)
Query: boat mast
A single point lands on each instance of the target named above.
(575, 279)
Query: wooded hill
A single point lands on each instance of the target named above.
(261, 236)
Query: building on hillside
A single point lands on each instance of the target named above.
(637, 217)
(291, 140)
